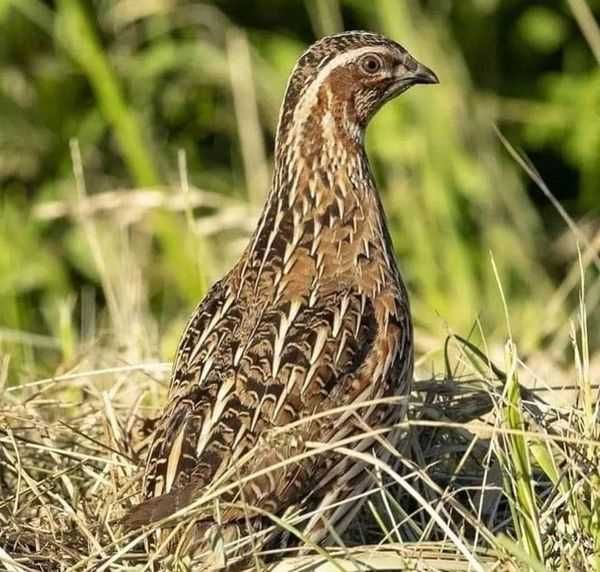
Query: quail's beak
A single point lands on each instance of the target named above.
(409, 74)
(423, 75)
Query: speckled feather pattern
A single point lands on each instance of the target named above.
(314, 315)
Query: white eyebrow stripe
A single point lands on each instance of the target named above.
(309, 97)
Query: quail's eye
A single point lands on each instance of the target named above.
(371, 63)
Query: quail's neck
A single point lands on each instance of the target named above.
(317, 143)
(323, 208)
(317, 126)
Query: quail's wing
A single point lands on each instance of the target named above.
(240, 373)
(191, 393)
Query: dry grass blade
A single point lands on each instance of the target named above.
(10, 564)
(438, 557)
(588, 25)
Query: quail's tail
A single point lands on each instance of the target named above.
(158, 508)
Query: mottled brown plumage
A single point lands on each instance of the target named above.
(314, 316)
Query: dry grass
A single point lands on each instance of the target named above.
(71, 448)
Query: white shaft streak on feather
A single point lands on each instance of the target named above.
(240, 435)
(239, 352)
(279, 286)
(292, 380)
(366, 248)
(314, 290)
(322, 335)
(338, 252)
(341, 185)
(360, 315)
(340, 204)
(173, 458)
(319, 262)
(297, 166)
(388, 256)
(382, 277)
(284, 326)
(289, 265)
(338, 317)
(383, 366)
(272, 236)
(313, 188)
(358, 201)
(206, 367)
(316, 238)
(222, 398)
(341, 347)
(290, 247)
(305, 206)
(257, 234)
(205, 433)
(313, 298)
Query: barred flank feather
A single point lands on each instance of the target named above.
(314, 316)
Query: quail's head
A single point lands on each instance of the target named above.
(354, 74)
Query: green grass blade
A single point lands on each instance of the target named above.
(519, 471)
(80, 40)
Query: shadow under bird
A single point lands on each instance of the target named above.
(314, 316)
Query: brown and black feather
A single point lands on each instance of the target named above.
(314, 315)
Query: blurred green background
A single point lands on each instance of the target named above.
(135, 153)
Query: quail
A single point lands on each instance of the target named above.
(314, 316)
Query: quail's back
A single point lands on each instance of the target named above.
(314, 316)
